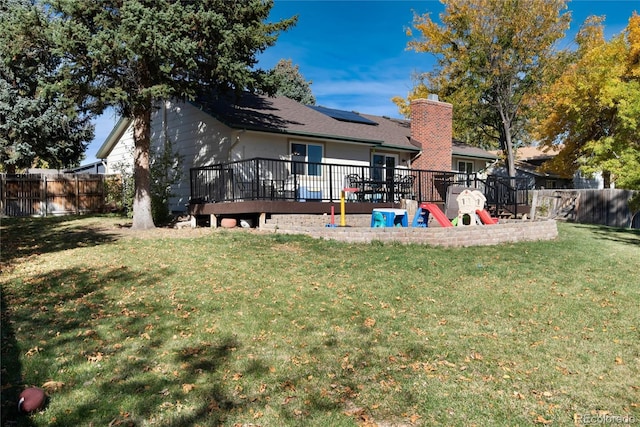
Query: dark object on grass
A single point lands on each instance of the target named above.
(31, 399)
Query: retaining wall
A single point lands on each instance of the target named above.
(480, 235)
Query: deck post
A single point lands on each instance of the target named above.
(213, 221)
(262, 221)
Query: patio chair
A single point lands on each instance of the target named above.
(353, 181)
(404, 187)
(289, 189)
(246, 190)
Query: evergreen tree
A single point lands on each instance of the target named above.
(38, 125)
(286, 80)
(130, 53)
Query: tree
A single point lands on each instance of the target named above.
(286, 80)
(593, 108)
(130, 53)
(493, 56)
(37, 125)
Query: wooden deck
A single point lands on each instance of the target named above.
(258, 207)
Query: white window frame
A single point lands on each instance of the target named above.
(466, 164)
(307, 165)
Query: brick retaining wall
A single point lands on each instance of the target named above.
(481, 235)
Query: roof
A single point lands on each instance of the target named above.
(537, 153)
(284, 115)
(463, 150)
(532, 153)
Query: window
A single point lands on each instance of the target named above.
(465, 167)
(307, 159)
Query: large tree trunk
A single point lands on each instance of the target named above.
(507, 144)
(511, 161)
(142, 218)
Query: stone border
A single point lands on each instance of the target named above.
(480, 235)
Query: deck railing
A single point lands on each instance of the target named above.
(506, 195)
(274, 179)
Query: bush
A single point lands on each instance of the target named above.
(166, 170)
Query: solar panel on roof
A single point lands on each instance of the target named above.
(342, 115)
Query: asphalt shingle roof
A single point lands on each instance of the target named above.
(462, 149)
(284, 115)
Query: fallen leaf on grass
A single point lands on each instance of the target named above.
(369, 322)
(542, 420)
(476, 356)
(32, 351)
(53, 385)
(288, 385)
(446, 363)
(188, 387)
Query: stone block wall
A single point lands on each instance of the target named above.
(480, 235)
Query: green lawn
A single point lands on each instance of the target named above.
(241, 328)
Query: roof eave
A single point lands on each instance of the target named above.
(375, 142)
(472, 156)
(113, 138)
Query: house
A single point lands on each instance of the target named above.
(529, 162)
(274, 148)
(94, 168)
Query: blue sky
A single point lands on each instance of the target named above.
(354, 52)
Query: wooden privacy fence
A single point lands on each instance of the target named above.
(605, 207)
(39, 194)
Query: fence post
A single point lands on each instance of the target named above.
(103, 207)
(331, 183)
(77, 195)
(43, 196)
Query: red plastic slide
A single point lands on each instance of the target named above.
(434, 210)
(485, 217)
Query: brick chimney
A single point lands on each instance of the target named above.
(432, 128)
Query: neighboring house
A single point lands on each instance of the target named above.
(528, 165)
(92, 168)
(214, 131)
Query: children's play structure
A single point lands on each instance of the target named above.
(464, 206)
(469, 205)
(389, 218)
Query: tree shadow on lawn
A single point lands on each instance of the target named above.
(22, 237)
(114, 354)
(11, 370)
(622, 235)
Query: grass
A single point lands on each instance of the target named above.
(241, 328)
